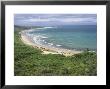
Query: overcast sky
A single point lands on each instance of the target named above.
(55, 19)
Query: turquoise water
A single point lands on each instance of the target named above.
(77, 37)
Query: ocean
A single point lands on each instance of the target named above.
(77, 37)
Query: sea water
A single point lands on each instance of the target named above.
(78, 37)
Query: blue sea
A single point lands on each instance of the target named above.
(77, 37)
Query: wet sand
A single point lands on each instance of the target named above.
(47, 50)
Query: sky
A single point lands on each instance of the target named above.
(54, 19)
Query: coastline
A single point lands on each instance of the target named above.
(45, 49)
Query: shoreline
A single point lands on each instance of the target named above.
(46, 50)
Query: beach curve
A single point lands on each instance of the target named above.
(45, 49)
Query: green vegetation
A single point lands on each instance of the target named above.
(29, 61)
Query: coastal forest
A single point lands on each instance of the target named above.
(29, 61)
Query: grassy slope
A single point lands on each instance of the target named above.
(29, 61)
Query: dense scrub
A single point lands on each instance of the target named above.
(29, 61)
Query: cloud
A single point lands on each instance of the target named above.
(72, 20)
(36, 20)
(60, 20)
(56, 19)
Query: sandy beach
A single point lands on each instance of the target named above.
(46, 50)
